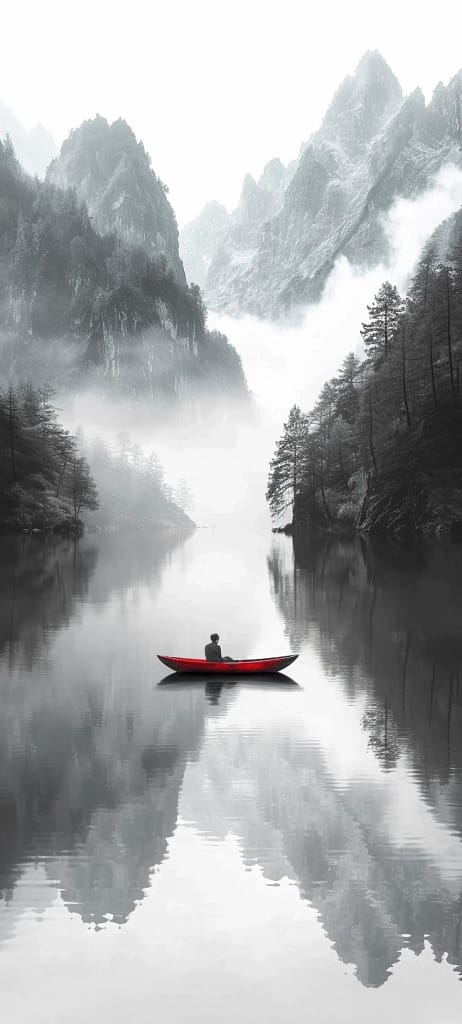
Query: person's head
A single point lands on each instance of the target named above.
(214, 638)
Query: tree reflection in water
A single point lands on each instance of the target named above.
(96, 765)
(91, 763)
(387, 624)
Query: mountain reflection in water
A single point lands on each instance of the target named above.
(346, 787)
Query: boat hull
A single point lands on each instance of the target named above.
(246, 667)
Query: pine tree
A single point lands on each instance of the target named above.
(379, 333)
(444, 303)
(347, 387)
(285, 473)
(43, 480)
(82, 487)
(420, 306)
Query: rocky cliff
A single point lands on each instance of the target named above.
(80, 305)
(112, 174)
(373, 146)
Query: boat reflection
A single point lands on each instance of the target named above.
(261, 680)
(214, 685)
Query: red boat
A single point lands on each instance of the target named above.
(244, 667)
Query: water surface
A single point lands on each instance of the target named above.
(241, 852)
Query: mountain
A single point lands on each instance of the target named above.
(373, 146)
(216, 244)
(111, 173)
(206, 241)
(35, 149)
(80, 307)
(202, 238)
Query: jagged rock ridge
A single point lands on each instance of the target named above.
(373, 146)
(208, 241)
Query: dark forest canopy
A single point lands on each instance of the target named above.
(45, 481)
(382, 448)
(77, 306)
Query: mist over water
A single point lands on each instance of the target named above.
(225, 461)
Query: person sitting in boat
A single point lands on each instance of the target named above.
(213, 649)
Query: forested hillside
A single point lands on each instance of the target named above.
(78, 307)
(382, 448)
(132, 490)
(45, 482)
(47, 476)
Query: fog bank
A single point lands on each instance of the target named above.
(227, 468)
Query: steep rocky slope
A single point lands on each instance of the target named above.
(208, 240)
(79, 307)
(372, 147)
(111, 173)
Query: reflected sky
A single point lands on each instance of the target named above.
(233, 850)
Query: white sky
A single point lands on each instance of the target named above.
(214, 89)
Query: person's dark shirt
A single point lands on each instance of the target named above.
(213, 652)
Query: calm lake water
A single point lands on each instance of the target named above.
(193, 852)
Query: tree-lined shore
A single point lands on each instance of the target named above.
(382, 448)
(52, 480)
(45, 481)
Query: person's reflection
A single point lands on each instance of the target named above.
(212, 691)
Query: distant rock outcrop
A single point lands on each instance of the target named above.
(35, 149)
(216, 241)
(373, 146)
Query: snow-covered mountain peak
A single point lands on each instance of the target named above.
(363, 103)
(373, 147)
